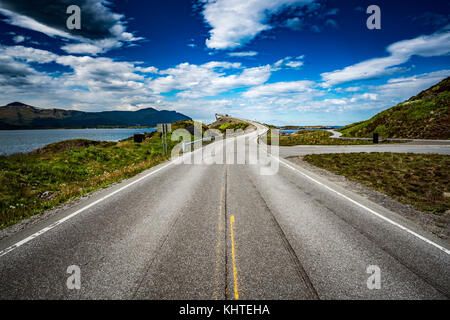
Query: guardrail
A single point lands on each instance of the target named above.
(184, 145)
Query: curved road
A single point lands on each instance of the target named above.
(225, 231)
(401, 147)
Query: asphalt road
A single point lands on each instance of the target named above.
(224, 231)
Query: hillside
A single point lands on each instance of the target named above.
(17, 115)
(424, 116)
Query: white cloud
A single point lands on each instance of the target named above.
(243, 54)
(352, 89)
(29, 23)
(368, 96)
(79, 48)
(294, 64)
(404, 87)
(19, 39)
(147, 69)
(28, 54)
(99, 83)
(364, 96)
(335, 101)
(101, 74)
(278, 88)
(102, 29)
(236, 22)
(208, 79)
(288, 62)
(400, 52)
(222, 64)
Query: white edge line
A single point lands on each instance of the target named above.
(368, 209)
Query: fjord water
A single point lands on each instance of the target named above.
(291, 131)
(23, 141)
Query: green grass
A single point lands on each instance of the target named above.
(233, 126)
(425, 116)
(316, 137)
(417, 179)
(38, 181)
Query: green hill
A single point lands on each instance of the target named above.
(17, 115)
(424, 116)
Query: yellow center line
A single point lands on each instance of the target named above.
(236, 292)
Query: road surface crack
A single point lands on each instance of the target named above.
(299, 267)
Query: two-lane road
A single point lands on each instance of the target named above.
(224, 231)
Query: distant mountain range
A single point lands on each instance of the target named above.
(18, 115)
(425, 116)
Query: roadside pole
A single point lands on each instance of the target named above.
(164, 128)
(164, 136)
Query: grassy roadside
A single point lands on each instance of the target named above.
(317, 137)
(52, 175)
(38, 181)
(422, 180)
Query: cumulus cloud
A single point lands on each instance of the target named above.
(404, 87)
(28, 54)
(208, 79)
(436, 44)
(89, 83)
(16, 74)
(236, 22)
(79, 48)
(100, 26)
(147, 69)
(31, 24)
(377, 97)
(279, 88)
(99, 83)
(364, 96)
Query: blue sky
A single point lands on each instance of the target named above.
(299, 62)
